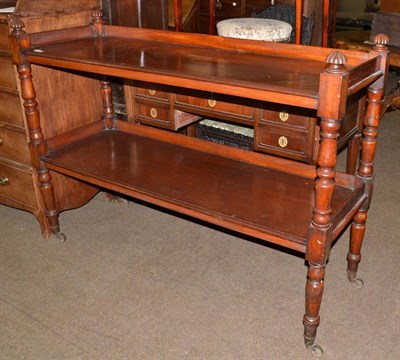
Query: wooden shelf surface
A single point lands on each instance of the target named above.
(214, 188)
(259, 70)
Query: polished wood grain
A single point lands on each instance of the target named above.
(170, 175)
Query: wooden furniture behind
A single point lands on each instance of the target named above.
(18, 174)
(298, 206)
(387, 6)
(150, 14)
(183, 15)
(212, 11)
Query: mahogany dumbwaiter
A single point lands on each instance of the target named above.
(300, 206)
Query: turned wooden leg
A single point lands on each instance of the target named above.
(319, 238)
(319, 232)
(314, 290)
(354, 255)
(47, 191)
(38, 148)
(366, 174)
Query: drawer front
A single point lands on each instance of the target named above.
(7, 74)
(287, 115)
(283, 141)
(153, 113)
(161, 115)
(153, 92)
(14, 145)
(287, 131)
(17, 185)
(4, 43)
(217, 104)
(11, 111)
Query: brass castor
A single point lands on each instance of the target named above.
(60, 236)
(315, 349)
(357, 282)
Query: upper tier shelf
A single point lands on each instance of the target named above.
(281, 73)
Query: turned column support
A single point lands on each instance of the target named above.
(109, 115)
(332, 107)
(37, 144)
(375, 110)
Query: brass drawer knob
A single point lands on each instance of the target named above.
(282, 141)
(152, 91)
(4, 180)
(212, 102)
(284, 116)
(153, 112)
(1, 141)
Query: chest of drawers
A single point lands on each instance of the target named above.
(19, 187)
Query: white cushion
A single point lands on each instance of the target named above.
(255, 29)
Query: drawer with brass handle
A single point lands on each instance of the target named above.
(285, 141)
(153, 113)
(17, 184)
(162, 115)
(154, 92)
(217, 105)
(288, 115)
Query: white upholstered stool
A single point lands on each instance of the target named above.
(255, 29)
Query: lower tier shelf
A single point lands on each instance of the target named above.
(269, 204)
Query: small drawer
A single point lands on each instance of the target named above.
(213, 104)
(153, 92)
(14, 145)
(283, 141)
(11, 111)
(153, 113)
(17, 185)
(4, 42)
(288, 115)
(7, 73)
(161, 115)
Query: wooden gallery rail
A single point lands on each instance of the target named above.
(303, 102)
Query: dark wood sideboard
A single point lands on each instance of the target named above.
(299, 206)
(19, 187)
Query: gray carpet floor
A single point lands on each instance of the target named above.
(134, 282)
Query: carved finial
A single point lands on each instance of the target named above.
(97, 16)
(336, 61)
(16, 24)
(380, 41)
